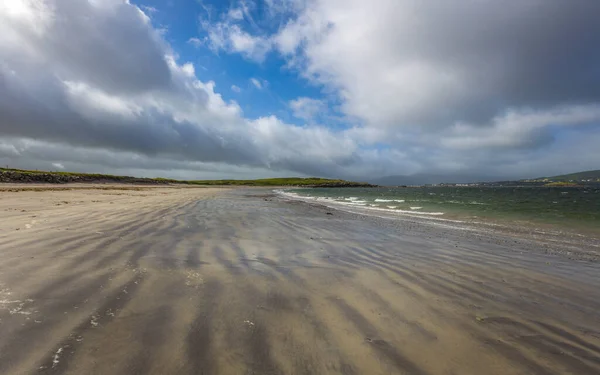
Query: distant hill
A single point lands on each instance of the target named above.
(587, 177)
(579, 176)
(25, 176)
(427, 179)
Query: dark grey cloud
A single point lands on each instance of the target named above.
(517, 53)
(31, 154)
(406, 64)
(486, 86)
(147, 131)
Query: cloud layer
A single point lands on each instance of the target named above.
(402, 63)
(478, 86)
(113, 84)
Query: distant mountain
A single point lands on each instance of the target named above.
(579, 176)
(426, 179)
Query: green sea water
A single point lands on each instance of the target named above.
(570, 207)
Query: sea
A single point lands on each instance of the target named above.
(568, 207)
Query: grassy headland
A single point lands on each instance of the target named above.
(568, 180)
(28, 176)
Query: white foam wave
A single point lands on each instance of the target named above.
(406, 211)
(355, 202)
(416, 208)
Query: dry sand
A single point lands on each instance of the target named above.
(158, 280)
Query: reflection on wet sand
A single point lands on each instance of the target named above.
(211, 281)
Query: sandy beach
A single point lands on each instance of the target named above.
(172, 280)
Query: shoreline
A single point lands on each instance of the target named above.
(578, 244)
(230, 281)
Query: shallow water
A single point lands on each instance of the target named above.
(569, 207)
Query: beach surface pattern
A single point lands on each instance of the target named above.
(173, 280)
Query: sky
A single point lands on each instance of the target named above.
(199, 89)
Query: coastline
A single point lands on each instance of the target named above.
(576, 244)
(212, 280)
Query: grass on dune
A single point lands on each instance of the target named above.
(20, 175)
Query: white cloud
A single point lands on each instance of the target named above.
(256, 83)
(235, 88)
(188, 69)
(196, 42)
(227, 35)
(236, 14)
(518, 129)
(58, 166)
(91, 102)
(254, 47)
(307, 108)
(277, 7)
(316, 146)
(149, 9)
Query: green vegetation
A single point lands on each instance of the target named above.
(579, 176)
(561, 184)
(571, 179)
(26, 176)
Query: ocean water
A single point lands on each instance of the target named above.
(569, 207)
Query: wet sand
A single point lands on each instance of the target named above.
(158, 280)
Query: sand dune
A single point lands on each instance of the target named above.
(157, 280)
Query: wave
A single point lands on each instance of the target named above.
(471, 202)
(362, 205)
(418, 213)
